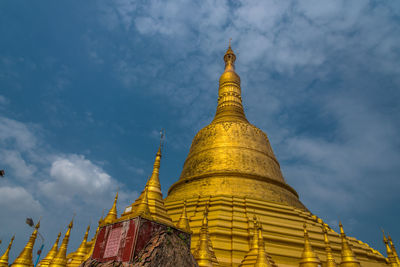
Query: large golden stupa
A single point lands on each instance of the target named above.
(232, 171)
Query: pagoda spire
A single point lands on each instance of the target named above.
(262, 259)
(154, 195)
(229, 106)
(91, 243)
(251, 256)
(348, 257)
(202, 254)
(183, 222)
(308, 258)
(60, 259)
(142, 207)
(51, 254)
(79, 255)
(394, 250)
(4, 258)
(330, 260)
(112, 214)
(391, 258)
(25, 257)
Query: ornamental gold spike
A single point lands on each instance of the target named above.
(394, 250)
(348, 257)
(262, 259)
(51, 254)
(391, 258)
(251, 256)
(79, 255)
(308, 258)
(202, 254)
(183, 222)
(25, 257)
(60, 259)
(330, 260)
(91, 243)
(112, 214)
(4, 258)
(154, 195)
(229, 94)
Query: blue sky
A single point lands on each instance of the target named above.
(85, 87)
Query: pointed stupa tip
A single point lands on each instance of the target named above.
(330, 260)
(348, 257)
(308, 258)
(25, 257)
(396, 256)
(112, 214)
(183, 222)
(4, 258)
(60, 259)
(203, 254)
(142, 208)
(51, 254)
(262, 260)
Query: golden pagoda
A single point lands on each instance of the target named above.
(232, 169)
(183, 222)
(60, 259)
(25, 257)
(76, 258)
(51, 254)
(4, 258)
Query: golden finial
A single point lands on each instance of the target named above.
(60, 259)
(154, 195)
(183, 222)
(391, 258)
(308, 258)
(112, 214)
(78, 256)
(4, 258)
(396, 256)
(25, 257)
(202, 254)
(348, 257)
(262, 260)
(330, 260)
(51, 254)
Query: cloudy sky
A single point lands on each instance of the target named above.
(85, 87)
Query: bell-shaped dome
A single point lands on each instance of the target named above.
(231, 156)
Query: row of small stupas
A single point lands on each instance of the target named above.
(150, 205)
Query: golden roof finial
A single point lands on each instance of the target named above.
(330, 260)
(202, 254)
(78, 256)
(112, 214)
(60, 259)
(394, 250)
(154, 195)
(262, 260)
(25, 257)
(348, 257)
(229, 106)
(183, 222)
(51, 254)
(391, 258)
(4, 258)
(308, 258)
